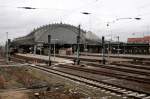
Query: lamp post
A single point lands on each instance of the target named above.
(78, 46)
(6, 47)
(118, 46)
(117, 19)
(49, 51)
(86, 13)
(109, 51)
(109, 46)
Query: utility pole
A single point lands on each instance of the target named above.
(124, 48)
(54, 51)
(109, 52)
(6, 47)
(78, 47)
(103, 50)
(118, 45)
(9, 41)
(49, 51)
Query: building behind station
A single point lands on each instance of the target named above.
(145, 39)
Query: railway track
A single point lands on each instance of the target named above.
(124, 92)
(145, 67)
(135, 59)
(130, 68)
(106, 72)
(124, 73)
(130, 59)
(143, 70)
(96, 84)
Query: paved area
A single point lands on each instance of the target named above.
(69, 58)
(97, 58)
(120, 55)
(57, 59)
(14, 65)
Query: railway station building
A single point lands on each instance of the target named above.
(63, 40)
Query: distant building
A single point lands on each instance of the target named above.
(145, 39)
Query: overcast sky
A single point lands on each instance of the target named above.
(19, 22)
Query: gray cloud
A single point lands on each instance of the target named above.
(19, 22)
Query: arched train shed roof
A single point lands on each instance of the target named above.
(60, 33)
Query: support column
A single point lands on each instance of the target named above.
(78, 47)
(34, 49)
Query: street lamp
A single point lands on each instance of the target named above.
(29, 8)
(86, 13)
(136, 18)
(117, 19)
(78, 46)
